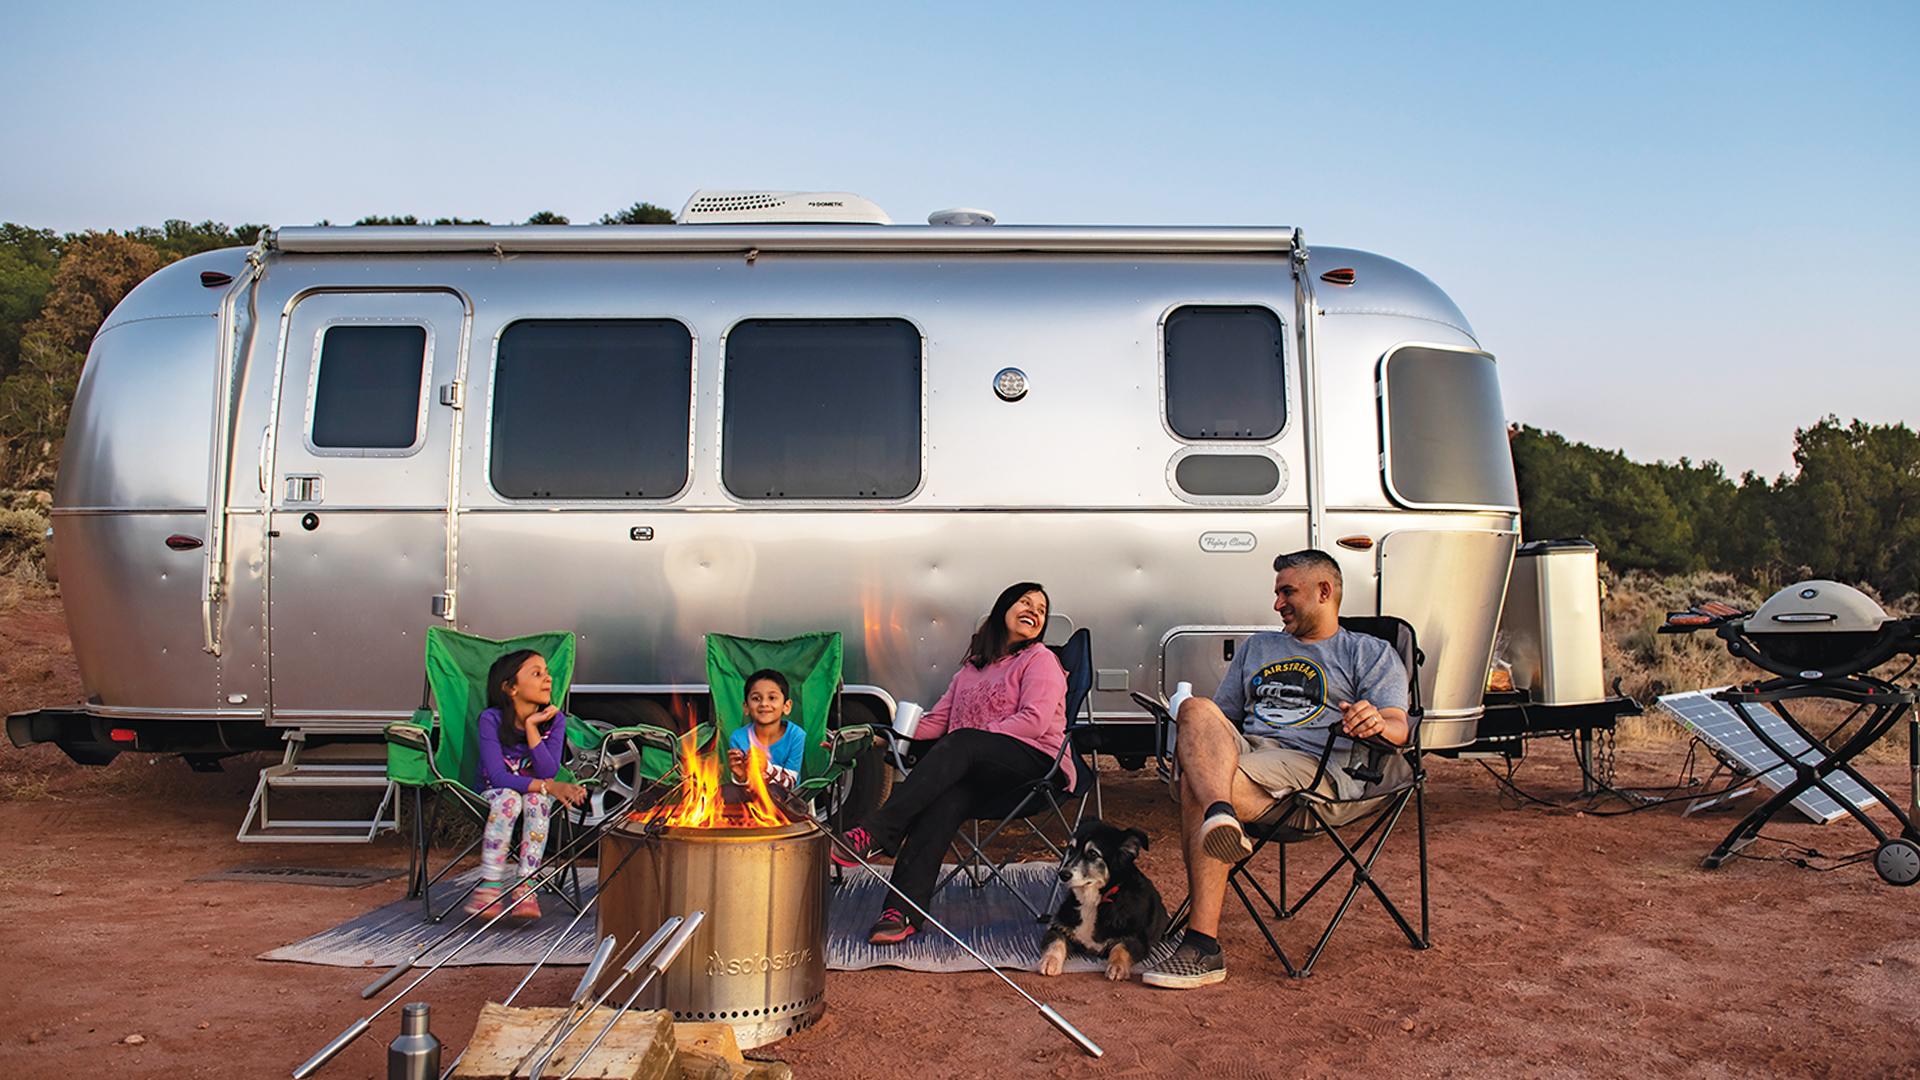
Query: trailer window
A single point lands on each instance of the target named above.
(366, 395)
(821, 409)
(592, 409)
(1444, 431)
(1224, 373)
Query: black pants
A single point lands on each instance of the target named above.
(964, 771)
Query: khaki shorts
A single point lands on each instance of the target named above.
(1283, 771)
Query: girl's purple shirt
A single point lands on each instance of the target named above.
(545, 755)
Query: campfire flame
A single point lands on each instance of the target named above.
(701, 805)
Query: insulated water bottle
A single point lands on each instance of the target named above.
(415, 1055)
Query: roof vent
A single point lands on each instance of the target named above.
(961, 215)
(781, 208)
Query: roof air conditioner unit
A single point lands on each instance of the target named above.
(781, 208)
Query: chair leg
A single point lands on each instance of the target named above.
(417, 853)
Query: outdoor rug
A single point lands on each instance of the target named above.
(390, 934)
(335, 877)
(989, 919)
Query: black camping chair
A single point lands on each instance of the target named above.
(1392, 777)
(1044, 801)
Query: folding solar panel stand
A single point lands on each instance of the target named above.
(1045, 799)
(1898, 857)
(1307, 815)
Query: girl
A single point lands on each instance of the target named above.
(1001, 723)
(518, 763)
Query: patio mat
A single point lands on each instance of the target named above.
(989, 919)
(390, 934)
(336, 877)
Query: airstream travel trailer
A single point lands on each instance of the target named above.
(781, 415)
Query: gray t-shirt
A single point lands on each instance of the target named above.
(1282, 688)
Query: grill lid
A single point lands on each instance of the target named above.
(1819, 607)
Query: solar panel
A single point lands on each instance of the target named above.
(1721, 728)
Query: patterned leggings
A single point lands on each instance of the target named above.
(506, 804)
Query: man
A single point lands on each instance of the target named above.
(1260, 739)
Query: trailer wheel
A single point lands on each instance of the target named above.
(618, 773)
(870, 781)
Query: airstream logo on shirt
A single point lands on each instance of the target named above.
(1289, 694)
(752, 965)
(1227, 542)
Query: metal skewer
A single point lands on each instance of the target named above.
(668, 952)
(593, 972)
(360, 1026)
(546, 874)
(1046, 1011)
(667, 932)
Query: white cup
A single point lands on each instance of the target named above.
(906, 718)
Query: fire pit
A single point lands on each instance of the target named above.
(758, 962)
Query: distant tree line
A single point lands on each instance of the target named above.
(1850, 510)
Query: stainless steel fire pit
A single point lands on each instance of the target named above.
(758, 962)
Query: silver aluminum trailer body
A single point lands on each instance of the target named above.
(223, 561)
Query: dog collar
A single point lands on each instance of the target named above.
(1111, 892)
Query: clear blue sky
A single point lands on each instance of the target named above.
(1684, 229)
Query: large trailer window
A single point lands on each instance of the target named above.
(592, 409)
(366, 395)
(1444, 432)
(821, 409)
(1224, 370)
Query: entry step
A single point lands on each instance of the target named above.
(330, 770)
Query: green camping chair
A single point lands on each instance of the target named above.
(811, 663)
(438, 749)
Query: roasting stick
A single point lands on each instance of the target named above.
(593, 970)
(1052, 1017)
(600, 958)
(668, 952)
(665, 942)
(360, 1026)
(564, 1024)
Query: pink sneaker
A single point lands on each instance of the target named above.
(485, 898)
(524, 905)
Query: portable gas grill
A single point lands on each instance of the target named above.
(1820, 639)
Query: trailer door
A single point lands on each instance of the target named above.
(358, 532)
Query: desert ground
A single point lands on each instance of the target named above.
(1569, 940)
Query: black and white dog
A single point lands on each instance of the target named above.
(1111, 909)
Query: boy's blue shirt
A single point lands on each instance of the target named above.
(785, 754)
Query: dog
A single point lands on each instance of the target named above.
(1111, 909)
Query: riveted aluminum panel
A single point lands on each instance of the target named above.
(176, 289)
(1448, 583)
(133, 608)
(906, 589)
(142, 419)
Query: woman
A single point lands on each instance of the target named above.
(1000, 725)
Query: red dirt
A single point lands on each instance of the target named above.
(1565, 945)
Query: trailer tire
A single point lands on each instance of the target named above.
(870, 781)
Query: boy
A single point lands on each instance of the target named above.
(784, 744)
